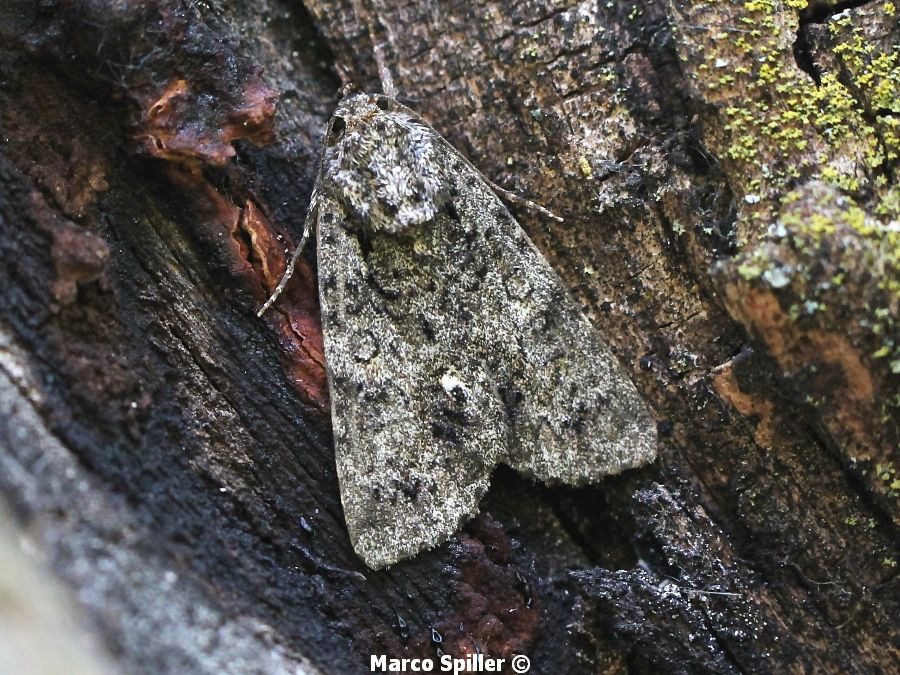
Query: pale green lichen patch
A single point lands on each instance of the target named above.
(780, 127)
(819, 242)
(872, 68)
(585, 167)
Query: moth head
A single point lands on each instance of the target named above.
(383, 164)
(360, 108)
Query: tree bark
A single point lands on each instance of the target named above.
(726, 174)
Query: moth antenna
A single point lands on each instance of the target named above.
(388, 87)
(384, 73)
(289, 270)
(512, 197)
(521, 201)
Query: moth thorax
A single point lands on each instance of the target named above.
(391, 180)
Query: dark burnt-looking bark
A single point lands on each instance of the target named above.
(726, 174)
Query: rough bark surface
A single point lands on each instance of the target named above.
(726, 171)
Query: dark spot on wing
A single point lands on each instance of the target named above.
(449, 424)
(459, 395)
(387, 293)
(365, 246)
(512, 401)
(411, 490)
(427, 328)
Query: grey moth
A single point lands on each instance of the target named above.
(451, 344)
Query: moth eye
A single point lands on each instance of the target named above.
(336, 129)
(382, 102)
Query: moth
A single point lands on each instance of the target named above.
(451, 344)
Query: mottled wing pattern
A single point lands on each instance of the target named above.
(451, 344)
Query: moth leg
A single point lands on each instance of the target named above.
(289, 270)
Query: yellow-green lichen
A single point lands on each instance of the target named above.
(750, 270)
(781, 126)
(585, 167)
